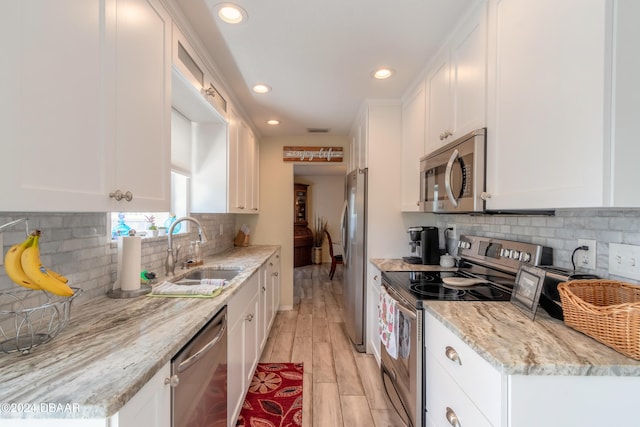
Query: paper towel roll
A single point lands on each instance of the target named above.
(130, 252)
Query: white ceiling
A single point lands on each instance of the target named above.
(317, 55)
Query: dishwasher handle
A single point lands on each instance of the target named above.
(184, 365)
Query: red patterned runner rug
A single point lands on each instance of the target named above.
(274, 398)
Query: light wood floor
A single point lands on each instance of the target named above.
(341, 386)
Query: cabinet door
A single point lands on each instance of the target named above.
(251, 339)
(373, 301)
(439, 104)
(52, 119)
(447, 403)
(252, 169)
(545, 144)
(413, 146)
(235, 203)
(235, 376)
(150, 406)
(275, 284)
(143, 103)
(469, 74)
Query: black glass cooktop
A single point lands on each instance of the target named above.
(416, 286)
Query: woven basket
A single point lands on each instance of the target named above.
(608, 311)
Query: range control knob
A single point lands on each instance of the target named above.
(515, 254)
(525, 257)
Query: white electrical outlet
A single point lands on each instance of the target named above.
(624, 260)
(586, 259)
(453, 233)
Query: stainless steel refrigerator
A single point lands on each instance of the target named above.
(354, 245)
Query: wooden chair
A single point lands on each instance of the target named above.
(335, 259)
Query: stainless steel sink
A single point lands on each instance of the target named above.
(213, 273)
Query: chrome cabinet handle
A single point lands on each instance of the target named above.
(172, 381)
(375, 278)
(485, 196)
(452, 418)
(264, 288)
(119, 195)
(249, 317)
(275, 274)
(452, 355)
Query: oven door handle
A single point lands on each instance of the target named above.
(401, 306)
(447, 178)
(406, 312)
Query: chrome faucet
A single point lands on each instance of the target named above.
(172, 257)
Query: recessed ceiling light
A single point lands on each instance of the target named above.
(382, 73)
(261, 88)
(273, 122)
(231, 13)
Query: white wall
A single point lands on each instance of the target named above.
(325, 198)
(274, 224)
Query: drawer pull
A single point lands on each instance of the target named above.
(453, 418)
(249, 317)
(452, 355)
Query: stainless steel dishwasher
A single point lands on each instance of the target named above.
(199, 377)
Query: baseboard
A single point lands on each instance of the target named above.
(285, 308)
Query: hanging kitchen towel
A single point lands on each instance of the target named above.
(404, 335)
(387, 323)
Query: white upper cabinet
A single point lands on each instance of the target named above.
(457, 83)
(85, 105)
(143, 104)
(243, 167)
(550, 139)
(413, 145)
(359, 142)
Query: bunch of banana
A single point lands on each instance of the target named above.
(23, 266)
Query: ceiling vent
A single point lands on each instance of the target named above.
(318, 130)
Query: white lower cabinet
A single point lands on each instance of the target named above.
(447, 403)
(242, 345)
(150, 406)
(374, 281)
(462, 386)
(269, 296)
(472, 384)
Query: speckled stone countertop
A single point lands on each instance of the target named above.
(516, 345)
(112, 347)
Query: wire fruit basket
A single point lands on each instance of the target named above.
(30, 318)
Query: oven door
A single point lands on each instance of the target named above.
(402, 377)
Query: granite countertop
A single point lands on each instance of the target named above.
(112, 347)
(516, 345)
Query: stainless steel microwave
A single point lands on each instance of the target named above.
(452, 178)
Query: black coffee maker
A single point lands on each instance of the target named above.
(425, 245)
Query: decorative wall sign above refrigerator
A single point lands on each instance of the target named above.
(312, 154)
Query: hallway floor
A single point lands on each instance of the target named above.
(341, 386)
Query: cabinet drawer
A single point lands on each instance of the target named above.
(240, 301)
(446, 401)
(479, 380)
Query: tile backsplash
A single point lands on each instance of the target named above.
(560, 232)
(79, 246)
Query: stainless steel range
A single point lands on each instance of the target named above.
(487, 269)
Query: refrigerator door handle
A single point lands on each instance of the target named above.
(344, 235)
